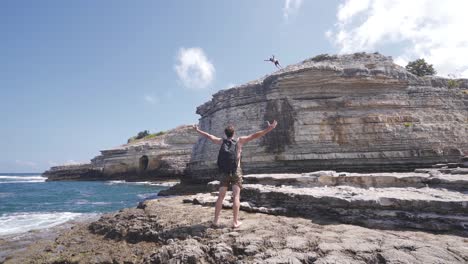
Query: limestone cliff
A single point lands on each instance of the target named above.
(161, 157)
(357, 112)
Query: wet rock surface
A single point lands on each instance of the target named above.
(170, 231)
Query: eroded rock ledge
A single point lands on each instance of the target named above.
(169, 231)
(161, 157)
(358, 112)
(428, 199)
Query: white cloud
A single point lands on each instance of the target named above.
(53, 163)
(291, 7)
(65, 163)
(151, 99)
(25, 163)
(401, 61)
(194, 69)
(72, 162)
(433, 30)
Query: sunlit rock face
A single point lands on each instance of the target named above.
(164, 156)
(161, 157)
(357, 112)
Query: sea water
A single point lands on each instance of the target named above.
(28, 202)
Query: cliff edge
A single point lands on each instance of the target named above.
(161, 157)
(357, 112)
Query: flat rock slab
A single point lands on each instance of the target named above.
(170, 231)
(433, 178)
(423, 208)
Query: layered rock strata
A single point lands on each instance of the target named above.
(168, 231)
(161, 157)
(429, 199)
(76, 172)
(358, 112)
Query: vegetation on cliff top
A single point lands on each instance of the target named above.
(145, 134)
(420, 68)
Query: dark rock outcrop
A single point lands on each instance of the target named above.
(358, 112)
(76, 172)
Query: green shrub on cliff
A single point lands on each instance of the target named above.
(145, 135)
(160, 133)
(140, 135)
(420, 67)
(408, 124)
(453, 83)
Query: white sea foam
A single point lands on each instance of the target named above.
(21, 179)
(162, 184)
(114, 182)
(129, 183)
(16, 223)
(83, 201)
(147, 195)
(140, 183)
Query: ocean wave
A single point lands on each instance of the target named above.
(86, 202)
(146, 196)
(21, 179)
(16, 223)
(162, 184)
(114, 182)
(5, 195)
(140, 183)
(129, 183)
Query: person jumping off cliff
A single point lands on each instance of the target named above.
(276, 62)
(230, 172)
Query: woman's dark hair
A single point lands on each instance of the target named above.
(229, 131)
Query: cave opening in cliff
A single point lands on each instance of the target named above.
(143, 163)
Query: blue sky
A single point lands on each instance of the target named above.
(80, 76)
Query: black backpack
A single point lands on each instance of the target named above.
(227, 157)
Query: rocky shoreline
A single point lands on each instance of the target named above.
(364, 119)
(168, 230)
(18, 244)
(317, 217)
